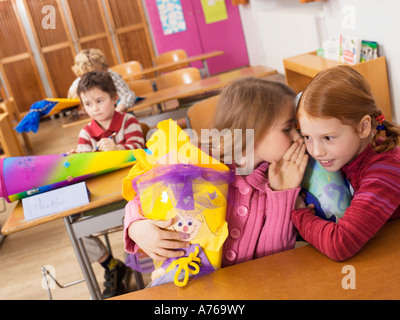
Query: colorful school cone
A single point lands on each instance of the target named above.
(178, 180)
(21, 177)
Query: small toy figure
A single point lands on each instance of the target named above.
(194, 262)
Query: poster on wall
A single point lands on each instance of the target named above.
(171, 15)
(214, 10)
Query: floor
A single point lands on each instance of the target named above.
(24, 253)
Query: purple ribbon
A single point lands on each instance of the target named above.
(180, 177)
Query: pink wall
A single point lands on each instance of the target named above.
(199, 37)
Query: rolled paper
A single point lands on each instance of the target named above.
(22, 177)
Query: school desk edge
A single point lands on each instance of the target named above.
(102, 192)
(300, 273)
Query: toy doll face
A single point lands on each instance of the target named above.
(186, 224)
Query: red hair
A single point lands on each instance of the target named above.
(343, 93)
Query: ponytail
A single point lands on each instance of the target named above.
(387, 135)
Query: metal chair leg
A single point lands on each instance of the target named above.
(46, 273)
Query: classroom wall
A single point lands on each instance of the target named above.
(367, 19)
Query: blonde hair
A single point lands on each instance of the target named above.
(89, 60)
(343, 93)
(250, 103)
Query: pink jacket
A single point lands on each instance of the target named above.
(258, 219)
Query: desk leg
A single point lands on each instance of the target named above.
(95, 294)
(89, 268)
(205, 65)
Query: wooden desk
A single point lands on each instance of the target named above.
(302, 273)
(106, 205)
(301, 69)
(196, 88)
(155, 69)
(201, 86)
(104, 189)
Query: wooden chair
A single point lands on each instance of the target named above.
(10, 107)
(140, 87)
(8, 137)
(177, 78)
(129, 70)
(172, 56)
(200, 115)
(145, 130)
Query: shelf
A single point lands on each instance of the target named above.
(301, 69)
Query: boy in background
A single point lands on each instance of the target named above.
(94, 59)
(109, 130)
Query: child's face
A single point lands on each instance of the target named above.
(98, 104)
(278, 138)
(329, 141)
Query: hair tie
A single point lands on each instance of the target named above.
(379, 119)
(297, 99)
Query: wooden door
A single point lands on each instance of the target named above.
(187, 40)
(200, 37)
(226, 35)
(130, 30)
(55, 45)
(17, 64)
(90, 27)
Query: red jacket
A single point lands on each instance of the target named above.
(375, 178)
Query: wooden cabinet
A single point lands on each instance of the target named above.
(301, 69)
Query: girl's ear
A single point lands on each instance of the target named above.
(115, 99)
(365, 127)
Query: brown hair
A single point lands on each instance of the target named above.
(343, 93)
(97, 79)
(251, 103)
(89, 60)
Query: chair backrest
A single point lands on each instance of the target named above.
(177, 78)
(8, 138)
(200, 114)
(10, 106)
(140, 87)
(172, 56)
(128, 69)
(15, 117)
(145, 130)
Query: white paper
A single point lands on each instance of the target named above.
(55, 201)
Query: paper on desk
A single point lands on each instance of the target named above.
(55, 201)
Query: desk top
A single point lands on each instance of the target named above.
(201, 86)
(166, 66)
(195, 88)
(301, 273)
(104, 189)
